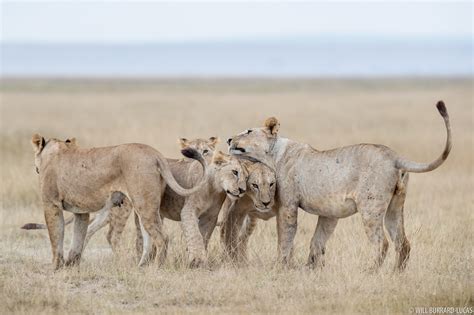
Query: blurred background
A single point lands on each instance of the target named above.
(259, 39)
(334, 73)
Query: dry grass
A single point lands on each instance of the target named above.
(325, 113)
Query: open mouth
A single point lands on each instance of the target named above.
(237, 150)
(232, 195)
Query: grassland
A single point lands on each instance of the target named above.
(324, 113)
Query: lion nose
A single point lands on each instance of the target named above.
(266, 203)
(241, 191)
(229, 141)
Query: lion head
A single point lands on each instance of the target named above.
(205, 147)
(45, 149)
(255, 142)
(229, 174)
(261, 183)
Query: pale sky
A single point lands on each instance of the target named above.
(69, 21)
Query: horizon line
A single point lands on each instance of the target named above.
(257, 39)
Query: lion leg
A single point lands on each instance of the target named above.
(247, 229)
(151, 230)
(53, 216)
(118, 220)
(395, 226)
(230, 233)
(139, 238)
(194, 239)
(100, 220)
(207, 224)
(146, 205)
(145, 258)
(116, 227)
(225, 210)
(81, 222)
(372, 218)
(287, 221)
(154, 250)
(322, 233)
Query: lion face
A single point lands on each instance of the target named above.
(255, 142)
(205, 147)
(230, 175)
(261, 187)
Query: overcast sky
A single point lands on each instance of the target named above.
(131, 21)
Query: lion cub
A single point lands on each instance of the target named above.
(238, 218)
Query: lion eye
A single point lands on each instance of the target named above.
(271, 184)
(255, 186)
(205, 152)
(249, 131)
(235, 172)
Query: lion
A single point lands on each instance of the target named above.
(205, 147)
(237, 217)
(198, 212)
(366, 178)
(83, 181)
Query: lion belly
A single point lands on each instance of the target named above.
(332, 206)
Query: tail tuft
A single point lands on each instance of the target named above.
(415, 167)
(31, 226)
(442, 109)
(191, 153)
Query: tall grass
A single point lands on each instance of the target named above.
(324, 113)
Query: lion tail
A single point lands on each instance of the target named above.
(171, 181)
(415, 167)
(40, 226)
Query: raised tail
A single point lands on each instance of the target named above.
(171, 181)
(40, 226)
(415, 167)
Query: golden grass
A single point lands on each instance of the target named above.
(324, 113)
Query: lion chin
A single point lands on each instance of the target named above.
(263, 210)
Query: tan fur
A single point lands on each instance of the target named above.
(261, 184)
(198, 212)
(365, 178)
(228, 180)
(82, 181)
(180, 168)
(238, 218)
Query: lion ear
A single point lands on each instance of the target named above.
(213, 141)
(183, 142)
(71, 141)
(273, 125)
(220, 158)
(38, 142)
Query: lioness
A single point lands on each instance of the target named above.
(205, 147)
(365, 178)
(238, 216)
(197, 212)
(86, 180)
(226, 179)
(178, 167)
